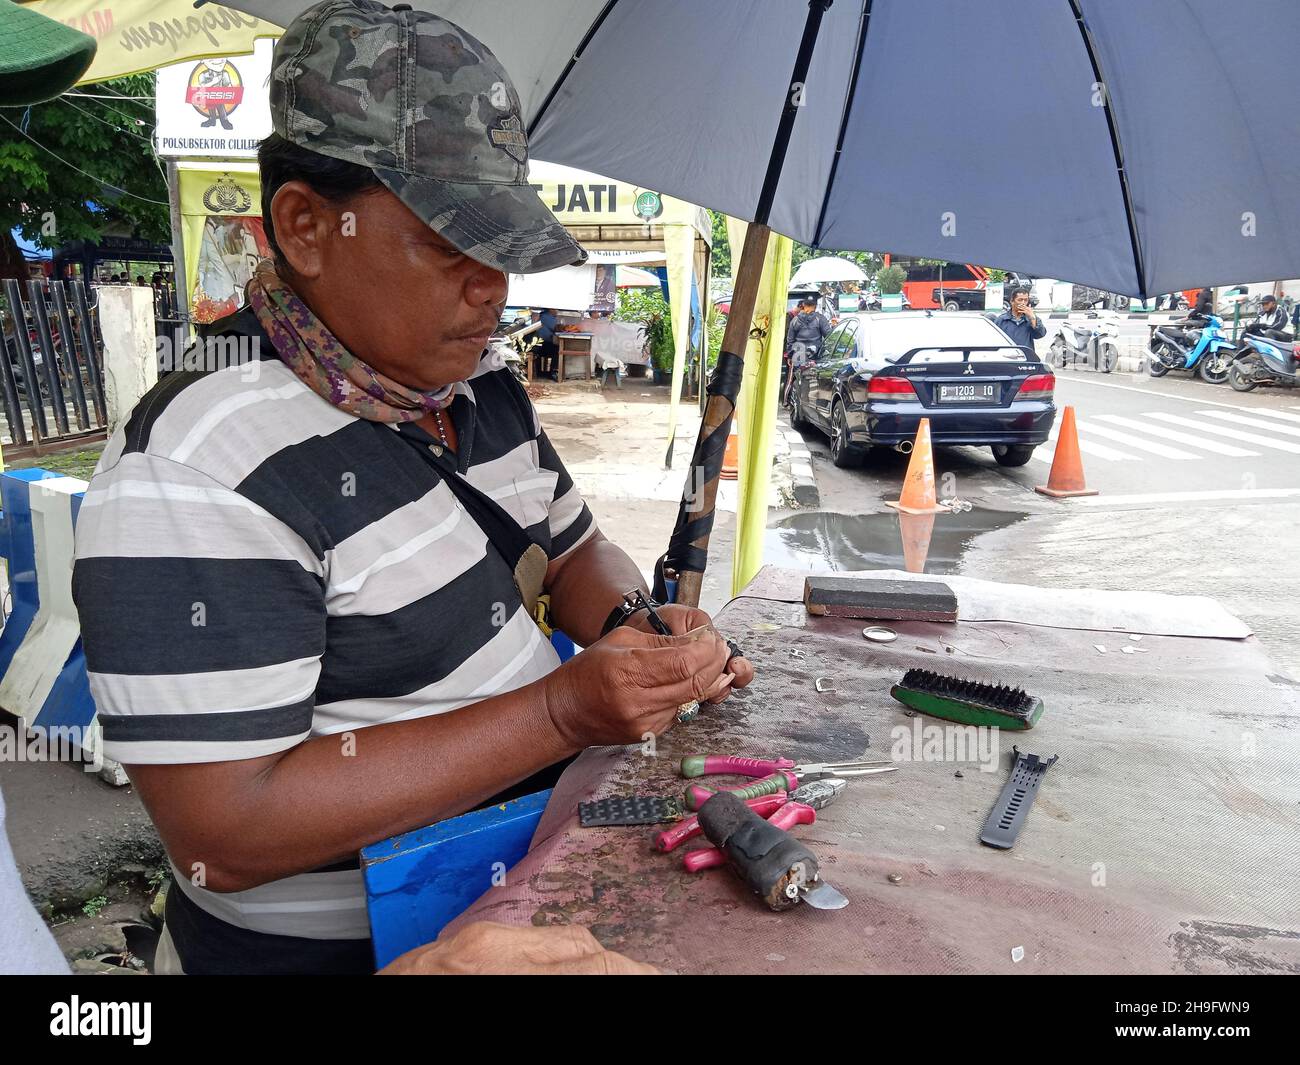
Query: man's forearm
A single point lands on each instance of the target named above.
(325, 799)
(587, 585)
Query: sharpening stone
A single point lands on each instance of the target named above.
(866, 597)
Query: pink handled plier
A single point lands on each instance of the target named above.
(778, 774)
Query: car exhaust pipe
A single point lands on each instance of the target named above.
(905, 448)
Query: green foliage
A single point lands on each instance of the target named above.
(890, 279)
(724, 263)
(111, 140)
(996, 275)
(717, 326)
(721, 255)
(93, 907)
(648, 308)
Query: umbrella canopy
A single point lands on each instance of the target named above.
(826, 268)
(1136, 146)
(635, 277)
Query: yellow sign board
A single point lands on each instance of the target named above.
(137, 35)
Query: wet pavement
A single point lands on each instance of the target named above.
(825, 541)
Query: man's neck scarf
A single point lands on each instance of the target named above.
(312, 352)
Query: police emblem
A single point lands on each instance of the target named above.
(223, 196)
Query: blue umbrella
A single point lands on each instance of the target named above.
(1136, 146)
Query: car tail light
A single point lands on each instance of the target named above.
(1039, 386)
(889, 388)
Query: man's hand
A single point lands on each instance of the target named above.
(629, 683)
(489, 949)
(682, 619)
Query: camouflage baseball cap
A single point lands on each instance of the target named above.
(432, 112)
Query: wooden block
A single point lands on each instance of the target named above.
(865, 597)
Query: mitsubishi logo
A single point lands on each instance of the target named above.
(969, 369)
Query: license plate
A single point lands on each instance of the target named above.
(967, 393)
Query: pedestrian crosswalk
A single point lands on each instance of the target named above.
(1165, 437)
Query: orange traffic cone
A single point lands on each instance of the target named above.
(731, 457)
(1066, 478)
(916, 531)
(918, 486)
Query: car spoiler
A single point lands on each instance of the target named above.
(966, 349)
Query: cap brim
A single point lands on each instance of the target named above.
(507, 227)
(39, 56)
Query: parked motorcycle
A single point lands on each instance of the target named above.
(1095, 343)
(1195, 344)
(1264, 360)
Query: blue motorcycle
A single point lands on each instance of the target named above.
(1264, 360)
(1196, 344)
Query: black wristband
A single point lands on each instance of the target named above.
(620, 614)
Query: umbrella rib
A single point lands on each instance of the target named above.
(844, 120)
(1116, 147)
(785, 127)
(592, 30)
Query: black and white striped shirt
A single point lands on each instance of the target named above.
(255, 567)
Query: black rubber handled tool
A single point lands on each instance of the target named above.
(777, 867)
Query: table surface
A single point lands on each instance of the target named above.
(1167, 838)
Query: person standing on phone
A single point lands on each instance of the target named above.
(1019, 321)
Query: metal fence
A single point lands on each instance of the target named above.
(52, 376)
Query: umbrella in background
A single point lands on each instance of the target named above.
(826, 269)
(635, 277)
(1136, 146)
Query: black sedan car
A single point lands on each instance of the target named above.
(879, 374)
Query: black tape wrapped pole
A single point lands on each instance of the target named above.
(688, 547)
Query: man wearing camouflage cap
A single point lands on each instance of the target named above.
(308, 582)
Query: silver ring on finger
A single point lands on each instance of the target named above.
(688, 711)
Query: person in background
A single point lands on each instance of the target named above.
(1019, 322)
(1204, 304)
(803, 339)
(548, 351)
(1271, 320)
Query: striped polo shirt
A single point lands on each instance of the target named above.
(255, 567)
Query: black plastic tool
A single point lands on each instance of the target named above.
(777, 867)
(1011, 809)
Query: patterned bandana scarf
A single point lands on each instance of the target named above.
(311, 351)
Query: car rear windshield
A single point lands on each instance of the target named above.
(891, 337)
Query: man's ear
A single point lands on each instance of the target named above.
(303, 221)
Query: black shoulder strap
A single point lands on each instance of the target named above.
(504, 533)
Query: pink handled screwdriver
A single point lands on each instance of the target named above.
(789, 815)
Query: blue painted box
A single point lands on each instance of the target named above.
(418, 882)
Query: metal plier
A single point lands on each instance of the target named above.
(778, 774)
